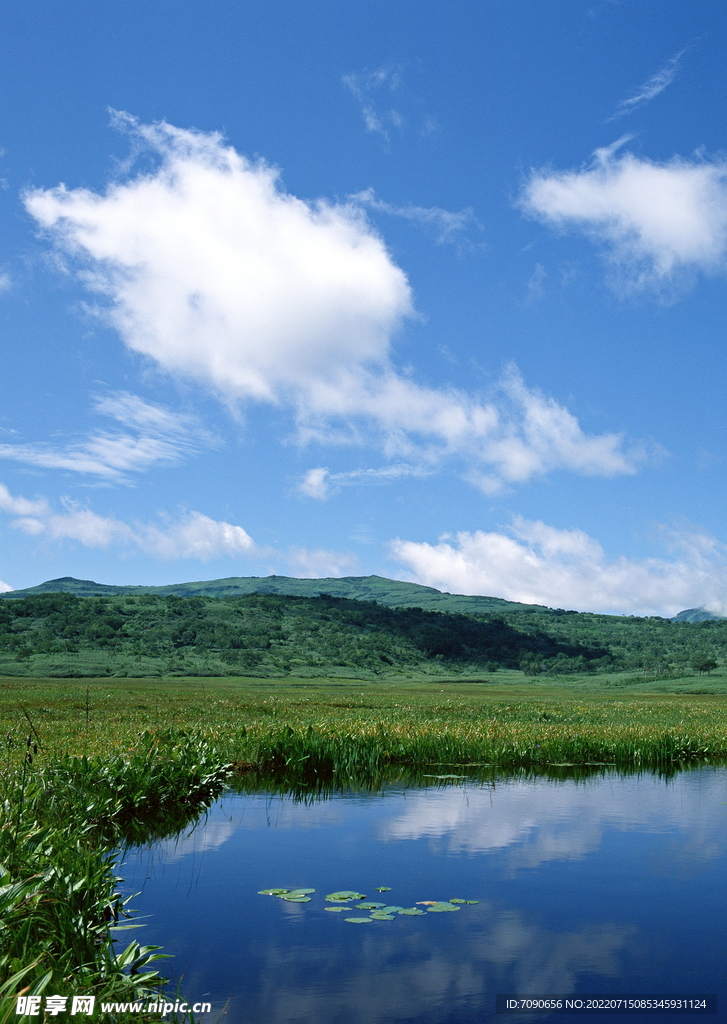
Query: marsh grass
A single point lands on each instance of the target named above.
(335, 726)
(63, 814)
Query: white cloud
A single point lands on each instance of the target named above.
(657, 220)
(212, 270)
(21, 506)
(5, 588)
(161, 437)
(651, 87)
(536, 563)
(215, 272)
(6, 282)
(195, 536)
(192, 535)
(446, 224)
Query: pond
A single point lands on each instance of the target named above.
(613, 884)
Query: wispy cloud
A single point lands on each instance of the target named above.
(321, 484)
(161, 437)
(651, 87)
(657, 221)
(21, 506)
(367, 86)
(536, 563)
(447, 225)
(208, 267)
(317, 563)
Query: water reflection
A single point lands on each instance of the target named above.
(605, 883)
(546, 820)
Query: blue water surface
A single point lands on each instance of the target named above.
(613, 884)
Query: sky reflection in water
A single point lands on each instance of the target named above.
(615, 884)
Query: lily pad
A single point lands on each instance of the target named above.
(412, 912)
(344, 895)
(469, 902)
(441, 908)
(272, 892)
(382, 917)
(391, 910)
(301, 892)
(358, 920)
(383, 888)
(335, 910)
(370, 906)
(295, 899)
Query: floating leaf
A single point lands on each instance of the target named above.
(344, 895)
(272, 892)
(391, 910)
(383, 888)
(295, 899)
(335, 910)
(301, 892)
(426, 903)
(441, 907)
(370, 906)
(470, 902)
(378, 916)
(358, 920)
(412, 912)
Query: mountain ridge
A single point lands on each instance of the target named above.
(390, 593)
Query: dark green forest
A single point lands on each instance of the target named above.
(60, 634)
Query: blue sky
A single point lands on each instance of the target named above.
(435, 291)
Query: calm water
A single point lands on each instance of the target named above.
(616, 884)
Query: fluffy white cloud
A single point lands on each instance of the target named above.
(4, 587)
(212, 270)
(192, 535)
(536, 563)
(195, 536)
(656, 220)
(160, 437)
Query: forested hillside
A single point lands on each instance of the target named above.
(263, 634)
(650, 644)
(148, 634)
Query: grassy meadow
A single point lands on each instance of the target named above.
(89, 765)
(508, 720)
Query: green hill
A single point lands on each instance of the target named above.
(696, 615)
(390, 593)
